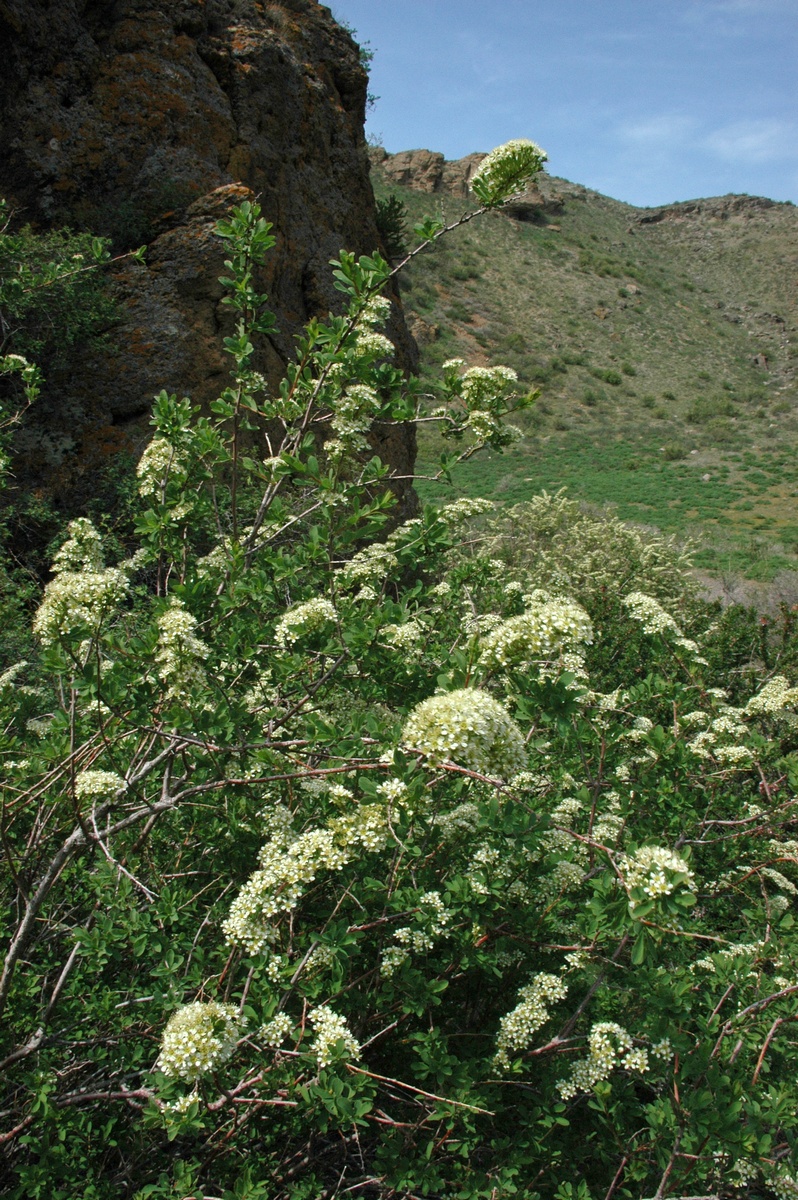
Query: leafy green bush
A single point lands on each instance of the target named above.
(425, 859)
(705, 408)
(674, 452)
(392, 224)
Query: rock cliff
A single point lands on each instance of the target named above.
(428, 171)
(144, 120)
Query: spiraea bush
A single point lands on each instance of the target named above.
(339, 862)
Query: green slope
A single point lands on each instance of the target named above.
(641, 328)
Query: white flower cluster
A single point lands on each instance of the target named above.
(288, 866)
(393, 790)
(609, 1046)
(663, 1049)
(480, 387)
(570, 856)
(216, 561)
(353, 413)
(464, 509)
(698, 717)
(656, 870)
(542, 631)
(83, 549)
(774, 698)
(490, 869)
(479, 623)
(650, 613)
(781, 881)
(10, 674)
(159, 462)
(180, 654)
(783, 1185)
(370, 344)
(333, 1036)
(98, 783)
(609, 824)
(375, 312)
(750, 950)
(370, 566)
(469, 727)
(198, 1038)
(182, 1104)
(302, 620)
(434, 918)
(274, 1032)
(407, 637)
(734, 756)
(713, 741)
(83, 591)
(517, 1029)
(464, 818)
(507, 170)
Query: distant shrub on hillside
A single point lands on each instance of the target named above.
(391, 222)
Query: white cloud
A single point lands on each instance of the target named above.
(758, 141)
(745, 6)
(667, 130)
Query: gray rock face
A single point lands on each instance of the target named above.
(145, 120)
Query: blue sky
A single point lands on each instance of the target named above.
(649, 101)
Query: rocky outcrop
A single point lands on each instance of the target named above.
(720, 208)
(428, 171)
(144, 120)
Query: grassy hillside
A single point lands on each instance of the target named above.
(642, 329)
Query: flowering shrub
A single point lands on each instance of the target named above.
(343, 855)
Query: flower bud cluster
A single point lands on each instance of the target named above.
(463, 510)
(198, 1038)
(507, 170)
(274, 1032)
(407, 638)
(468, 727)
(98, 783)
(657, 871)
(609, 1046)
(370, 566)
(160, 463)
(180, 655)
(783, 1184)
(332, 1036)
(434, 917)
(774, 699)
(304, 619)
(517, 1029)
(650, 614)
(288, 866)
(545, 629)
(83, 591)
(353, 413)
